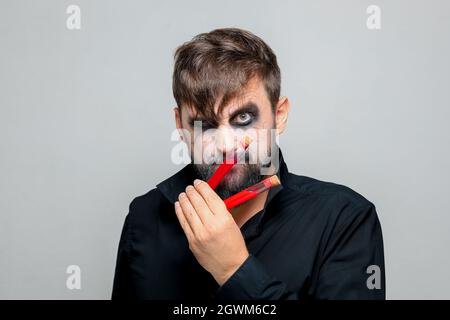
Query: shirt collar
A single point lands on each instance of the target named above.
(174, 185)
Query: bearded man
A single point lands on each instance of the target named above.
(303, 239)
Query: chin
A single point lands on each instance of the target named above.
(233, 181)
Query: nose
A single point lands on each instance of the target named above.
(226, 142)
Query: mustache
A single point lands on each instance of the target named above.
(242, 157)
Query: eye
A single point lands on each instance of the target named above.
(205, 125)
(243, 119)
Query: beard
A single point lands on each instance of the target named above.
(241, 176)
(238, 178)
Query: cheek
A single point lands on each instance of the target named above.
(203, 148)
(266, 127)
(264, 122)
(189, 139)
(261, 138)
(267, 119)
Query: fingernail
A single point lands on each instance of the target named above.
(189, 188)
(197, 181)
(182, 195)
(177, 204)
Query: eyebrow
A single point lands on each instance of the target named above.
(249, 106)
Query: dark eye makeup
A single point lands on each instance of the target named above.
(242, 117)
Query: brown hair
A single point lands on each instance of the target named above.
(218, 65)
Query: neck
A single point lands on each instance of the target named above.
(248, 209)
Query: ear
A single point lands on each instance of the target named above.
(281, 114)
(177, 113)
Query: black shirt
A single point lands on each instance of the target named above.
(313, 239)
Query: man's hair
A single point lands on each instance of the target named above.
(218, 65)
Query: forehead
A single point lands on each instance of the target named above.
(254, 91)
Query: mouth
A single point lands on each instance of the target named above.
(234, 173)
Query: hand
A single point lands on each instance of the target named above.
(214, 237)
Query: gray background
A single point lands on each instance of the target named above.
(85, 124)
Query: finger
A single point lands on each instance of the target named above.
(183, 222)
(190, 214)
(211, 198)
(199, 205)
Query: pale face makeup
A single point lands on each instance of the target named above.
(251, 114)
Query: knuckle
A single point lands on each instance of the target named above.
(200, 238)
(226, 220)
(209, 197)
(213, 230)
(204, 189)
(194, 243)
(203, 237)
(190, 213)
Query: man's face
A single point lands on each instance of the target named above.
(210, 145)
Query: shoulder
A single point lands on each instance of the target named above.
(152, 198)
(145, 208)
(325, 189)
(336, 201)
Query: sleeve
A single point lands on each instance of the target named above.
(355, 246)
(122, 277)
(252, 282)
(353, 263)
